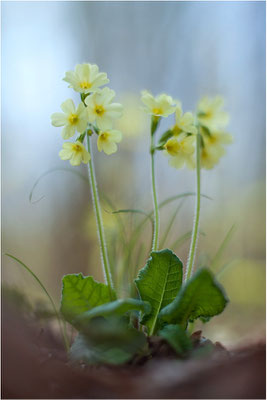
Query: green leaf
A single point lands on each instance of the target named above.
(118, 307)
(201, 297)
(177, 338)
(158, 283)
(107, 342)
(80, 294)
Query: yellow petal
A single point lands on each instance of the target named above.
(68, 107)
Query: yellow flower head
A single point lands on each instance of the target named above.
(86, 78)
(213, 148)
(160, 106)
(210, 113)
(183, 122)
(101, 110)
(181, 150)
(73, 119)
(107, 140)
(75, 152)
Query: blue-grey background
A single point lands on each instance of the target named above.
(187, 49)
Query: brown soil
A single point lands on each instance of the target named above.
(34, 365)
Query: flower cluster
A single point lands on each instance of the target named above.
(212, 120)
(96, 112)
(179, 142)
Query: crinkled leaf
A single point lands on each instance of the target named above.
(158, 283)
(109, 341)
(80, 294)
(115, 308)
(177, 338)
(201, 297)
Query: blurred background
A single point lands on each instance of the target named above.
(187, 49)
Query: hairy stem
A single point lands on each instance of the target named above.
(155, 242)
(99, 223)
(194, 238)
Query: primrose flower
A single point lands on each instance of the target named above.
(160, 106)
(181, 150)
(86, 78)
(107, 141)
(213, 148)
(210, 113)
(73, 119)
(75, 152)
(183, 122)
(101, 110)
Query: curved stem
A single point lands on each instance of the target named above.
(100, 229)
(155, 241)
(194, 238)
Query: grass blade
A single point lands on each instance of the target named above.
(225, 268)
(179, 196)
(226, 240)
(49, 172)
(127, 263)
(149, 215)
(178, 242)
(169, 226)
(135, 211)
(47, 294)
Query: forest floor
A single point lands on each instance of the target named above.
(35, 366)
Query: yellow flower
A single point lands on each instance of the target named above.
(86, 78)
(210, 113)
(181, 150)
(213, 148)
(107, 141)
(160, 106)
(183, 122)
(101, 110)
(72, 119)
(75, 152)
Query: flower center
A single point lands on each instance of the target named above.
(172, 148)
(208, 114)
(76, 148)
(99, 110)
(104, 136)
(157, 111)
(85, 85)
(73, 119)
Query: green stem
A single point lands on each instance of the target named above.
(99, 223)
(155, 242)
(63, 331)
(192, 251)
